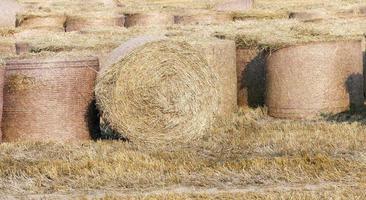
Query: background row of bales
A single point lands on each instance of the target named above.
(168, 76)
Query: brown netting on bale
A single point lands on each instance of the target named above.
(160, 91)
(250, 70)
(220, 55)
(9, 9)
(235, 5)
(203, 18)
(148, 19)
(45, 22)
(49, 99)
(77, 23)
(305, 81)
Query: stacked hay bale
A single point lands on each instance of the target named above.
(90, 22)
(49, 99)
(308, 16)
(305, 81)
(42, 21)
(149, 19)
(158, 91)
(203, 17)
(235, 5)
(9, 10)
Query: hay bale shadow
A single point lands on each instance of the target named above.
(357, 111)
(98, 130)
(254, 79)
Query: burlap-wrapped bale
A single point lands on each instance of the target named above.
(44, 22)
(9, 10)
(221, 57)
(203, 18)
(250, 70)
(235, 5)
(309, 16)
(148, 19)
(305, 81)
(158, 91)
(49, 99)
(79, 23)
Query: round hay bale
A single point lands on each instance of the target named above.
(159, 91)
(148, 19)
(305, 81)
(235, 6)
(2, 72)
(78, 23)
(250, 70)
(50, 22)
(214, 50)
(203, 18)
(22, 47)
(49, 99)
(9, 10)
(308, 16)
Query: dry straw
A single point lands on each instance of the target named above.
(308, 16)
(203, 18)
(305, 81)
(159, 91)
(49, 99)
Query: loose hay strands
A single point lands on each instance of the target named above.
(163, 91)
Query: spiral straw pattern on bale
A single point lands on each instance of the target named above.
(148, 19)
(9, 9)
(307, 80)
(235, 6)
(49, 99)
(160, 91)
(250, 70)
(51, 23)
(83, 23)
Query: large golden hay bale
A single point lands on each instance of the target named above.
(250, 69)
(45, 22)
(235, 5)
(149, 19)
(307, 80)
(158, 91)
(220, 55)
(9, 9)
(78, 23)
(49, 99)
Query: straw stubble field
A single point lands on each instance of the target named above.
(247, 155)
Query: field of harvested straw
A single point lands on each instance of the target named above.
(203, 146)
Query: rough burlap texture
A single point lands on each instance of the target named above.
(235, 5)
(309, 16)
(49, 23)
(9, 10)
(158, 92)
(220, 55)
(250, 70)
(85, 23)
(203, 18)
(305, 81)
(49, 99)
(148, 19)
